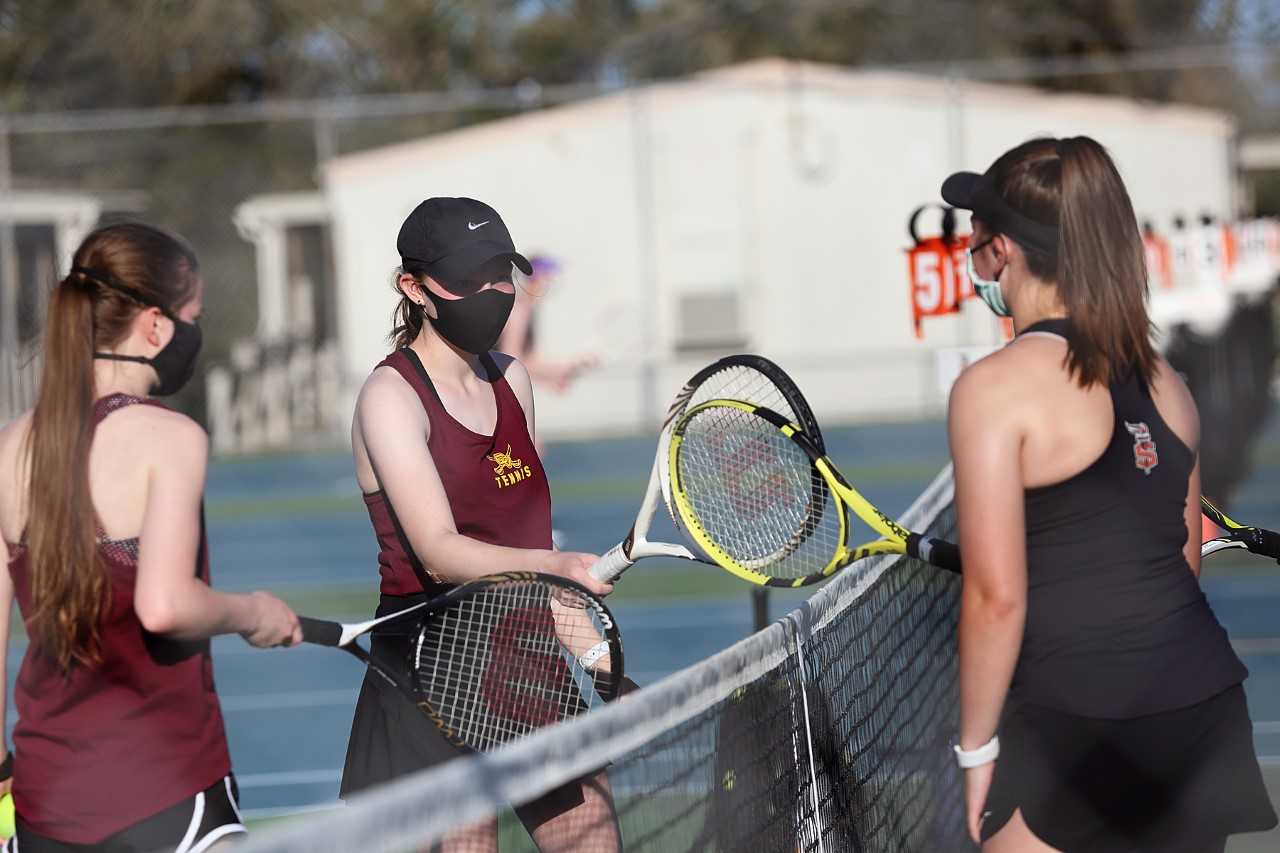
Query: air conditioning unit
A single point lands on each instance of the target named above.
(709, 320)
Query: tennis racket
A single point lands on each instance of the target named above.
(1256, 540)
(765, 502)
(498, 657)
(746, 377)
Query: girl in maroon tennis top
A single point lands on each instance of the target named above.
(119, 743)
(444, 449)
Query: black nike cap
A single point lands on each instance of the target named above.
(454, 237)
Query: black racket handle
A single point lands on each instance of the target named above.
(322, 632)
(939, 552)
(1262, 541)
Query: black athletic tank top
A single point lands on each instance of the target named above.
(1117, 625)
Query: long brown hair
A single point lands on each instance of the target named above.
(1100, 268)
(129, 267)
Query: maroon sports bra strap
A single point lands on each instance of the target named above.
(104, 406)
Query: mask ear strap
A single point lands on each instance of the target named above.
(987, 242)
(105, 279)
(111, 356)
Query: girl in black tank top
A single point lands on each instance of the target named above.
(1117, 626)
(1101, 701)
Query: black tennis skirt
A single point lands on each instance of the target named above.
(391, 737)
(1173, 781)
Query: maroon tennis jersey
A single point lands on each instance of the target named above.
(98, 749)
(495, 483)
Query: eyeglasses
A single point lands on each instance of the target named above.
(973, 250)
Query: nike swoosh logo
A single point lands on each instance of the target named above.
(471, 227)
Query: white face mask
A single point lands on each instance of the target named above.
(988, 291)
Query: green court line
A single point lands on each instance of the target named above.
(658, 585)
(294, 505)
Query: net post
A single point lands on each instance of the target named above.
(759, 608)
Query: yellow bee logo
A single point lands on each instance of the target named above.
(507, 471)
(504, 460)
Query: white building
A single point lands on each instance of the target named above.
(39, 231)
(760, 207)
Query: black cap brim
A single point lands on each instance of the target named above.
(462, 264)
(961, 189)
(977, 193)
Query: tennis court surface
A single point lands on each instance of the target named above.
(702, 761)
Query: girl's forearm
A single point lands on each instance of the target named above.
(456, 558)
(990, 639)
(194, 611)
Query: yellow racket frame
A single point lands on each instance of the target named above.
(844, 496)
(1217, 516)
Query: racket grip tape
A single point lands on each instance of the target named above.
(1263, 542)
(938, 552)
(611, 564)
(322, 632)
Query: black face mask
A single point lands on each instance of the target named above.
(472, 323)
(175, 364)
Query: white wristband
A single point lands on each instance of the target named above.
(984, 754)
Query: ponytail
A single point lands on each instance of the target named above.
(1102, 271)
(69, 582)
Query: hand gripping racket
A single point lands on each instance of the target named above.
(496, 658)
(752, 378)
(764, 501)
(1257, 540)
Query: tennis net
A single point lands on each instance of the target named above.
(827, 731)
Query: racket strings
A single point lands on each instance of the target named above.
(740, 382)
(504, 661)
(755, 493)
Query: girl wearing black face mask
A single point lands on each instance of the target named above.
(444, 449)
(120, 741)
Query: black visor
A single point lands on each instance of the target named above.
(976, 193)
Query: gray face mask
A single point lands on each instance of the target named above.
(988, 291)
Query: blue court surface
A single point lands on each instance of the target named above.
(296, 525)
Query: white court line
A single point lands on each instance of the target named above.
(288, 777)
(298, 699)
(1256, 645)
(338, 698)
(287, 811)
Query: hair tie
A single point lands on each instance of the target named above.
(107, 280)
(79, 278)
(98, 277)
